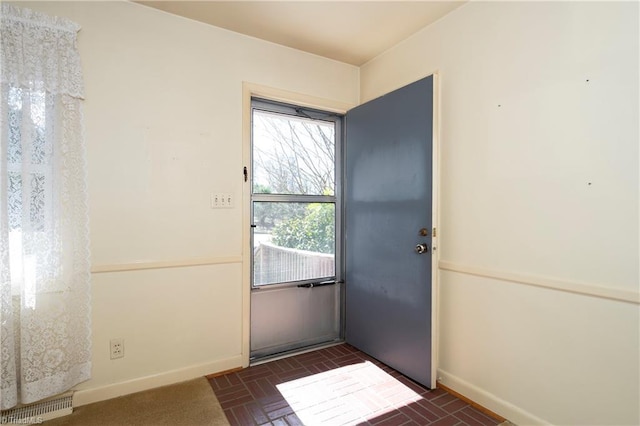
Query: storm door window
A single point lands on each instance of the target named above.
(294, 194)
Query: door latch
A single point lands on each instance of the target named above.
(422, 248)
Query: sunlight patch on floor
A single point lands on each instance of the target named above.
(346, 395)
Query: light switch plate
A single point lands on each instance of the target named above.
(222, 200)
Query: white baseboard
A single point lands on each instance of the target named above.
(88, 396)
(488, 400)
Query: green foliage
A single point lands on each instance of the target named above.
(313, 232)
(263, 213)
(261, 189)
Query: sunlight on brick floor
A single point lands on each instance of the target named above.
(347, 395)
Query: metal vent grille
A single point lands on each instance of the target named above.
(40, 411)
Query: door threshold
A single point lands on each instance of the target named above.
(293, 352)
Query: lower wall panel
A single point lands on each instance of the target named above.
(537, 355)
(177, 323)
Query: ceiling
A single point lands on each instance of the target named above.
(347, 31)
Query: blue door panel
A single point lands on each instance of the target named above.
(388, 195)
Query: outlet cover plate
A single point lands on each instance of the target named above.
(116, 348)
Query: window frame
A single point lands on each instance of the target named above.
(286, 109)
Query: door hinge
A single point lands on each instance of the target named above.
(433, 234)
(245, 173)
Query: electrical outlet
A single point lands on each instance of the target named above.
(117, 348)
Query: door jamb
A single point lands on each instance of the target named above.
(435, 218)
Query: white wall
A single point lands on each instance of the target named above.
(539, 194)
(163, 118)
(163, 122)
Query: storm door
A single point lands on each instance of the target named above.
(295, 223)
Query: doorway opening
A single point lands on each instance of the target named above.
(296, 227)
(368, 277)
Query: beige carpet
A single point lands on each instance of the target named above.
(184, 404)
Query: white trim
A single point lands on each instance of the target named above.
(285, 96)
(137, 266)
(488, 400)
(88, 396)
(435, 209)
(588, 289)
(247, 91)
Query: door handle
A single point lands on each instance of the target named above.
(422, 248)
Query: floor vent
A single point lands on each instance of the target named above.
(40, 411)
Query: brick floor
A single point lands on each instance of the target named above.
(335, 386)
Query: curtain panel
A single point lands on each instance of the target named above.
(45, 310)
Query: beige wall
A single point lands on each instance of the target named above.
(539, 192)
(163, 118)
(163, 122)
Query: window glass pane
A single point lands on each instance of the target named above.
(27, 190)
(293, 242)
(14, 151)
(14, 196)
(292, 155)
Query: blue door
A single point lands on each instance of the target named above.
(388, 226)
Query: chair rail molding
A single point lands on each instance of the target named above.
(589, 289)
(180, 263)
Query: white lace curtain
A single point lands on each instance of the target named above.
(44, 247)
